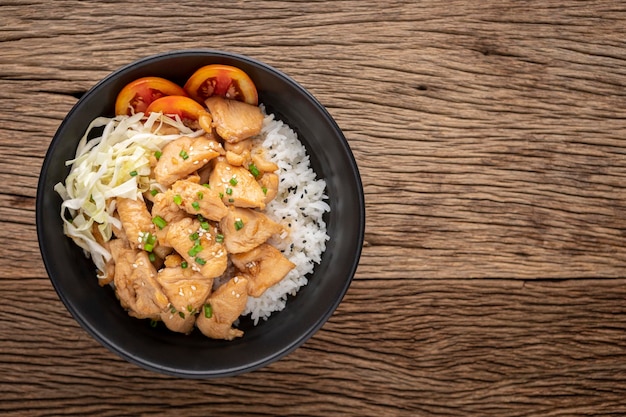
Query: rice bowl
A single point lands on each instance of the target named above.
(269, 333)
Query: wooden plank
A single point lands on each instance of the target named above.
(489, 136)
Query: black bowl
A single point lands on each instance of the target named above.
(194, 356)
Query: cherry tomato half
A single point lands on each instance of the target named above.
(183, 106)
(221, 80)
(140, 93)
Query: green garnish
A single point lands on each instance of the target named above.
(195, 205)
(229, 191)
(159, 222)
(157, 154)
(184, 264)
(196, 249)
(233, 181)
(194, 236)
(133, 173)
(199, 260)
(238, 224)
(183, 154)
(205, 225)
(219, 238)
(254, 170)
(200, 195)
(208, 310)
(178, 199)
(264, 190)
(154, 192)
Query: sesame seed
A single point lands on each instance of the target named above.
(193, 287)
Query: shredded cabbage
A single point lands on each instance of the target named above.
(114, 164)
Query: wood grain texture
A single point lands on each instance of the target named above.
(491, 142)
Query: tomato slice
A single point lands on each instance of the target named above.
(221, 80)
(183, 106)
(140, 93)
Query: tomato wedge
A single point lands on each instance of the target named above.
(221, 80)
(140, 93)
(183, 106)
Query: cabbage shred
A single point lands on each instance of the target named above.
(114, 164)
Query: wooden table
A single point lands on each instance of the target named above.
(491, 139)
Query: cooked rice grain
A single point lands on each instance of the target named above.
(299, 205)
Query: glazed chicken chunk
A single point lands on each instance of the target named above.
(264, 266)
(200, 248)
(236, 185)
(186, 290)
(234, 120)
(197, 199)
(136, 221)
(222, 308)
(184, 156)
(244, 229)
(135, 283)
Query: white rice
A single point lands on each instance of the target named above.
(299, 206)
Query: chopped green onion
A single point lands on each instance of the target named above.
(264, 190)
(178, 199)
(148, 247)
(238, 224)
(254, 170)
(200, 195)
(189, 308)
(206, 185)
(233, 181)
(152, 257)
(159, 222)
(199, 260)
(208, 310)
(194, 236)
(183, 154)
(157, 154)
(195, 205)
(133, 173)
(154, 192)
(151, 239)
(196, 249)
(181, 314)
(231, 200)
(229, 191)
(173, 310)
(184, 264)
(205, 225)
(221, 195)
(153, 323)
(219, 238)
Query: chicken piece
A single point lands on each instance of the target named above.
(269, 185)
(183, 156)
(165, 208)
(197, 199)
(238, 154)
(199, 247)
(264, 165)
(244, 229)
(264, 266)
(234, 120)
(186, 290)
(236, 185)
(136, 221)
(222, 308)
(135, 283)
